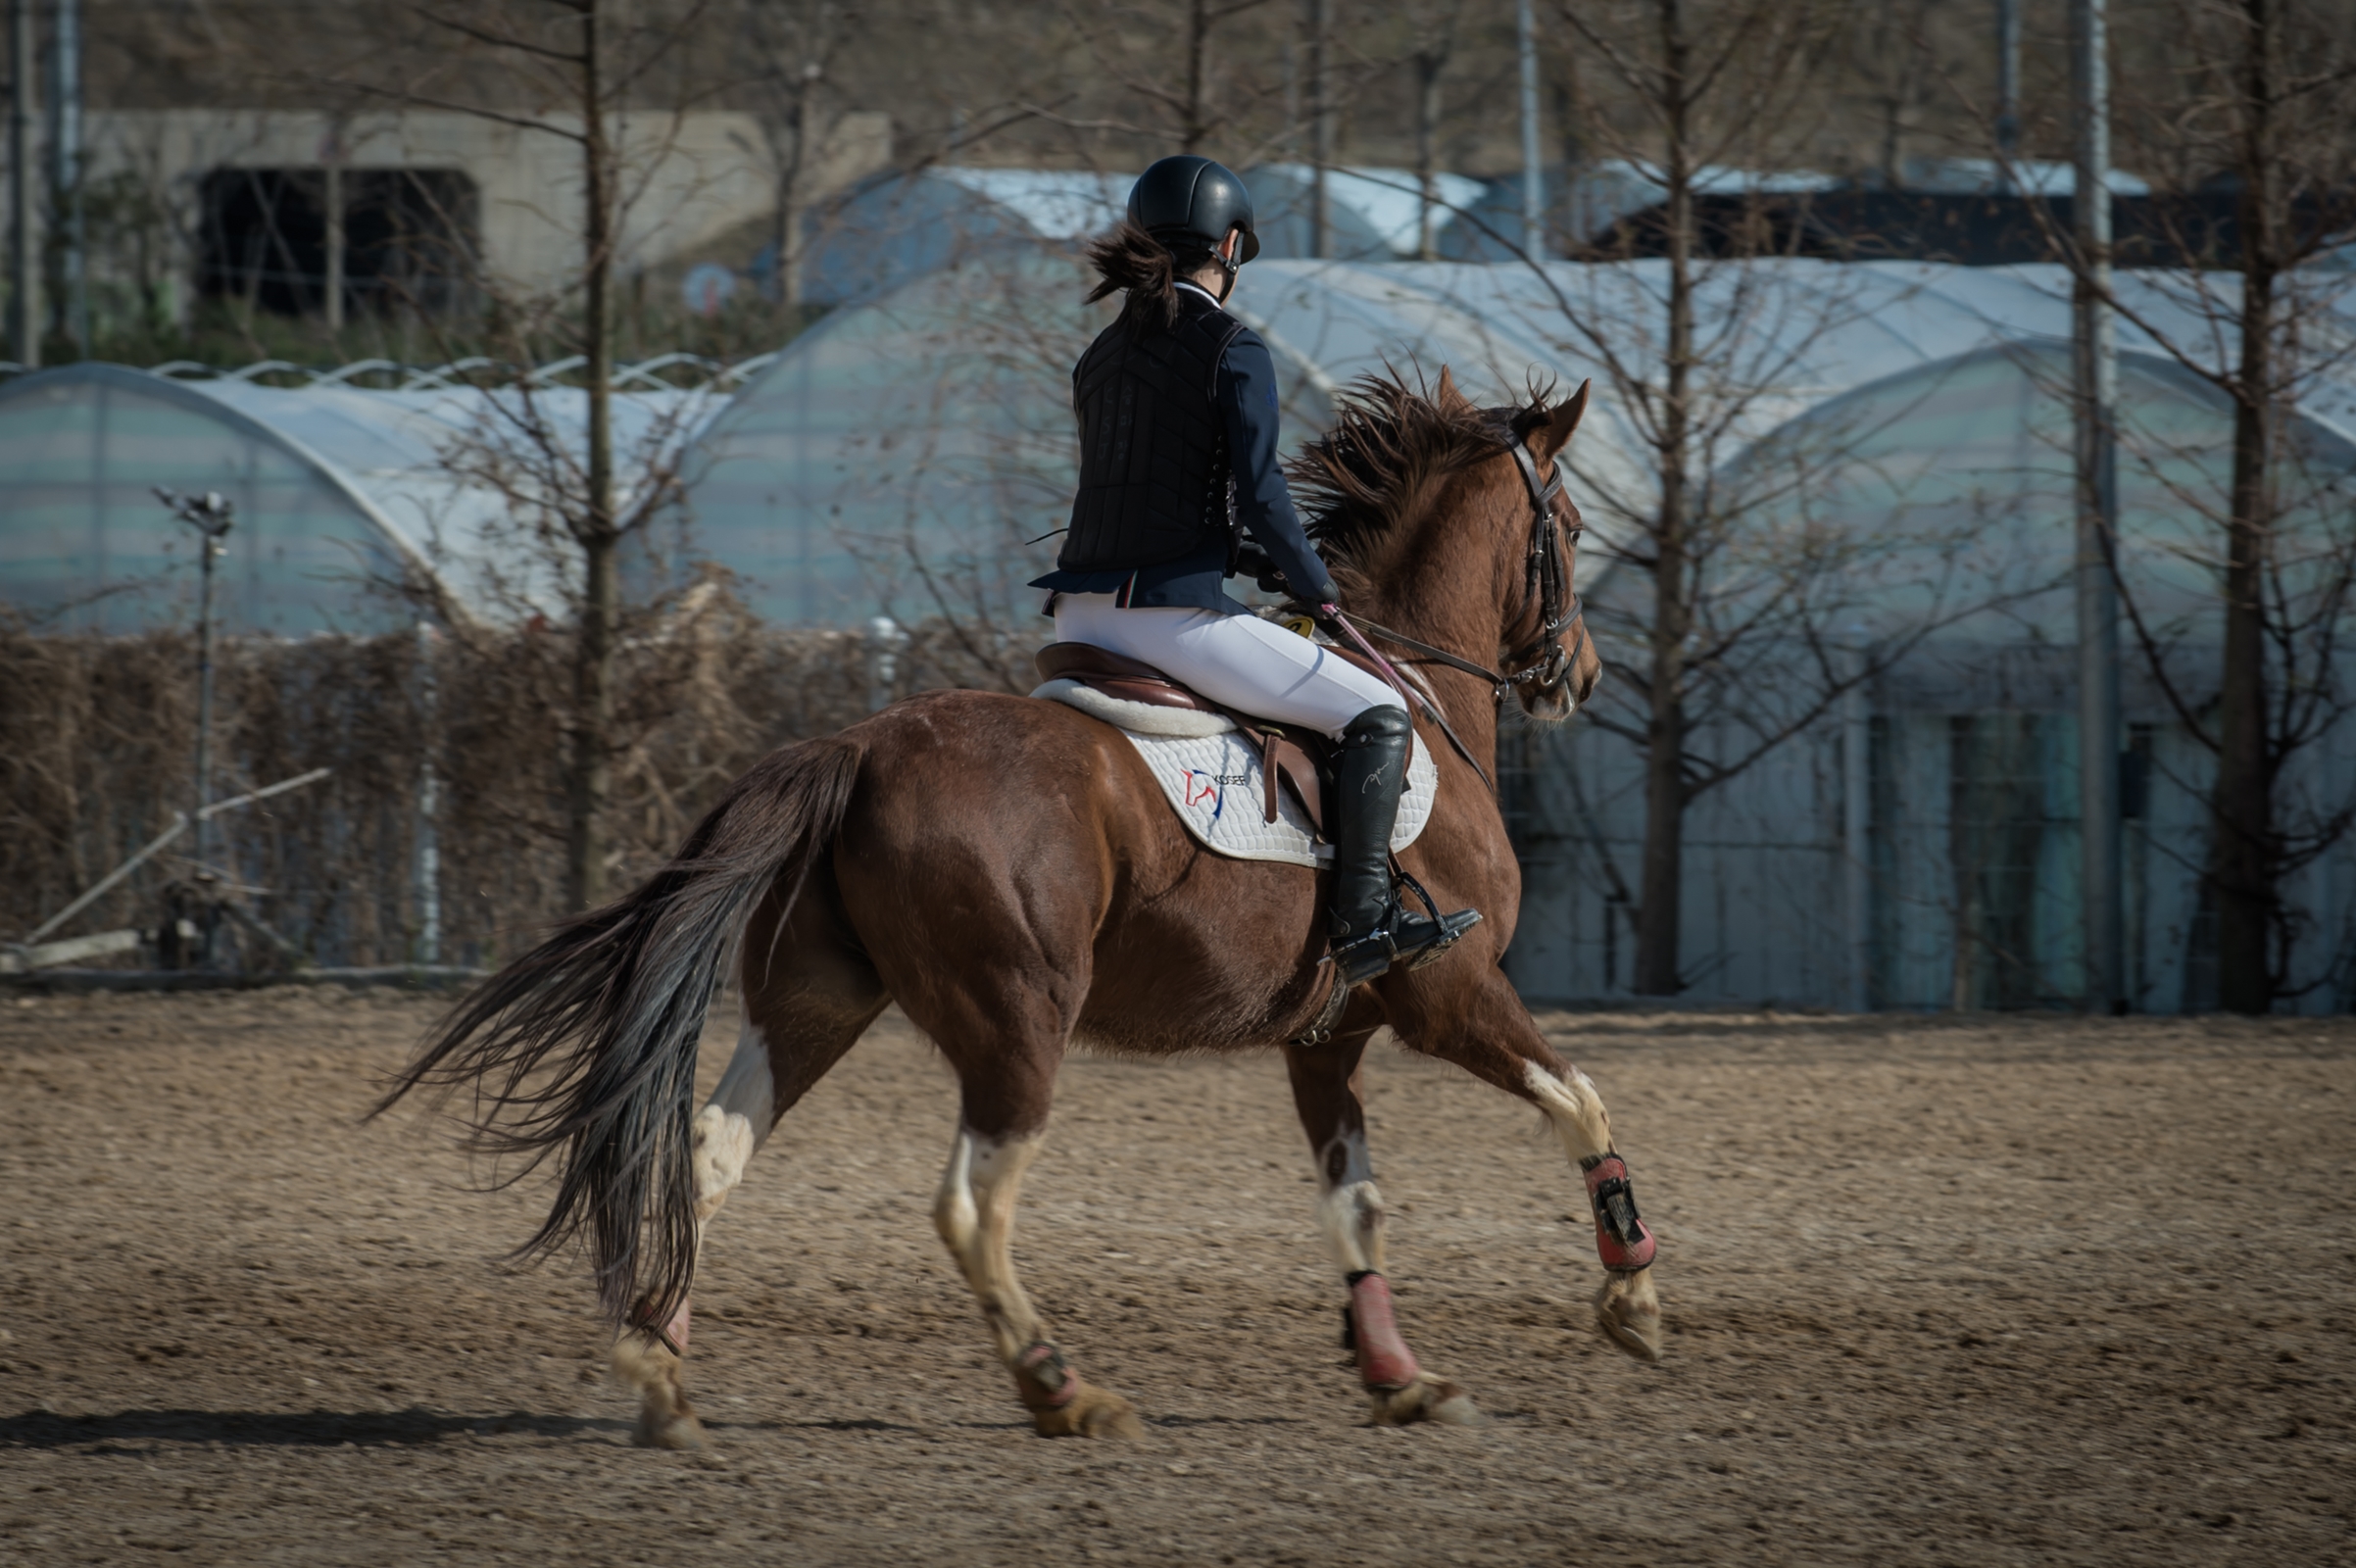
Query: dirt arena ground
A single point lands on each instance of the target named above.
(1972, 1291)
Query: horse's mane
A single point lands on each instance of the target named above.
(1391, 445)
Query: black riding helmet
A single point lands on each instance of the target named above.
(1189, 203)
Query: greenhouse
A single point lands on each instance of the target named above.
(1913, 846)
(353, 507)
(1371, 215)
(920, 444)
(897, 228)
(912, 456)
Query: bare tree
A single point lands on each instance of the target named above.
(1751, 621)
(2252, 97)
(1161, 56)
(1435, 39)
(1693, 85)
(2209, 104)
(796, 45)
(1895, 56)
(595, 58)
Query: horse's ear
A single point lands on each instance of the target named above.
(1555, 434)
(1445, 395)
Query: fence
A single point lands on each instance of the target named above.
(1918, 850)
(1953, 885)
(439, 835)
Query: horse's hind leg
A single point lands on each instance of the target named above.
(1350, 1211)
(808, 997)
(974, 1212)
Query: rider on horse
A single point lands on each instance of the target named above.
(1177, 407)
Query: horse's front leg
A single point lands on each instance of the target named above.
(1350, 1211)
(1476, 1020)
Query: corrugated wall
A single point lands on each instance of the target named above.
(1971, 886)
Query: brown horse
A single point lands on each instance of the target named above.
(1008, 872)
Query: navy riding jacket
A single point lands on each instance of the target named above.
(1246, 390)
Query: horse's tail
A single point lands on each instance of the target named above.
(585, 1047)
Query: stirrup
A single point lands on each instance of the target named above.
(1446, 930)
(1443, 930)
(1415, 937)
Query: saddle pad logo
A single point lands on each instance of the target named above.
(1199, 788)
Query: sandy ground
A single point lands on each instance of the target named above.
(1940, 1291)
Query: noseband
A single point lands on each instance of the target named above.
(1545, 582)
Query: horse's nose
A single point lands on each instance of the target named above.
(1588, 674)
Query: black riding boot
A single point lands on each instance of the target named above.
(1370, 930)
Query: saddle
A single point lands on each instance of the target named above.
(1301, 759)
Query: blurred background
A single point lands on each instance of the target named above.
(558, 404)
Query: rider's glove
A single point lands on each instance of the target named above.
(1250, 561)
(1254, 563)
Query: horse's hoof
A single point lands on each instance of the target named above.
(1427, 1398)
(679, 1429)
(1092, 1412)
(1629, 1313)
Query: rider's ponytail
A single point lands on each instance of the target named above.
(1132, 260)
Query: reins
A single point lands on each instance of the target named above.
(1545, 581)
(1431, 708)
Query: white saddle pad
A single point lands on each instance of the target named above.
(1212, 776)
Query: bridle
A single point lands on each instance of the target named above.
(1545, 584)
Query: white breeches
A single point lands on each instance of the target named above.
(1240, 662)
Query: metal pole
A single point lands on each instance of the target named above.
(1322, 137)
(24, 310)
(72, 305)
(212, 516)
(1532, 177)
(2096, 373)
(429, 804)
(1856, 801)
(885, 640)
(206, 545)
(334, 301)
(2008, 91)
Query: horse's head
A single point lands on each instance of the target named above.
(1553, 665)
(1442, 515)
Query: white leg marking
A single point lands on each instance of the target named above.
(1627, 1307)
(727, 1132)
(1350, 1206)
(1575, 1109)
(735, 1123)
(974, 1212)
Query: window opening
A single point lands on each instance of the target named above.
(408, 239)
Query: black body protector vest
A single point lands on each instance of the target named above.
(1155, 475)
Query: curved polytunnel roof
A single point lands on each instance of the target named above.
(931, 429)
(1957, 484)
(1599, 193)
(894, 228)
(1372, 213)
(1791, 335)
(912, 453)
(340, 494)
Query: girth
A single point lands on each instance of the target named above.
(1299, 758)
